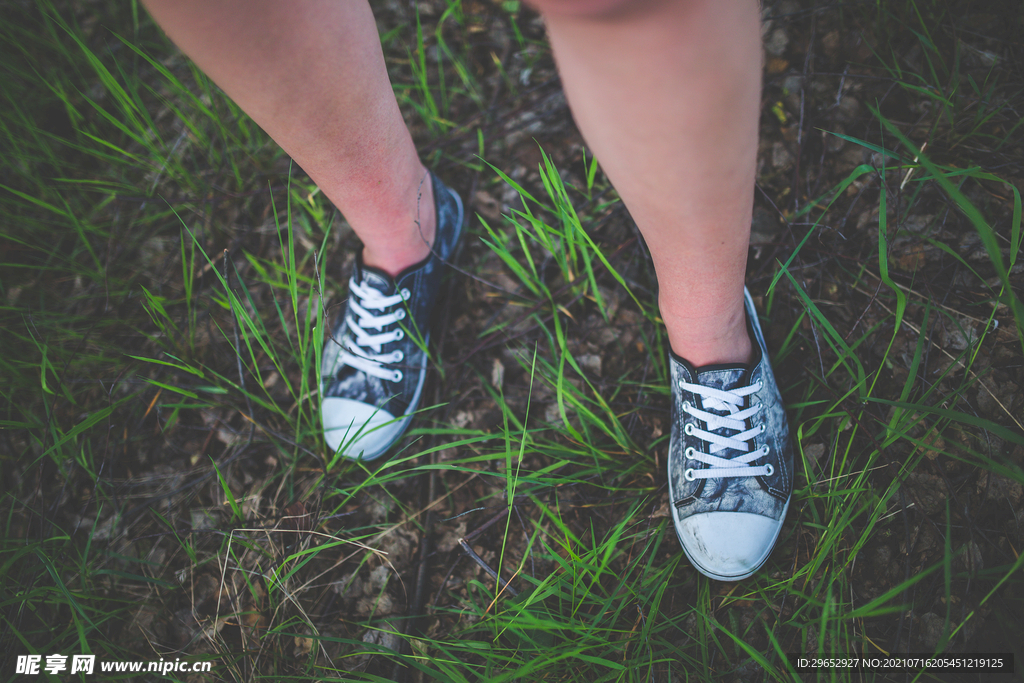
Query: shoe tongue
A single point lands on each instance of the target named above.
(725, 377)
(372, 277)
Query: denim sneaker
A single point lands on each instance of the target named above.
(730, 462)
(373, 369)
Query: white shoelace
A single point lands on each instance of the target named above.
(356, 347)
(731, 401)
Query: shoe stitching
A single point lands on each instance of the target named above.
(773, 403)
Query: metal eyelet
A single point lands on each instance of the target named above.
(767, 449)
(406, 293)
(771, 470)
(397, 356)
(762, 428)
(760, 406)
(397, 377)
(686, 406)
(688, 429)
(760, 385)
(399, 314)
(690, 452)
(688, 474)
(399, 334)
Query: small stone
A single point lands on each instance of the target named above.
(881, 563)
(607, 335)
(930, 629)
(400, 543)
(776, 42)
(385, 639)
(462, 419)
(969, 559)
(852, 156)
(497, 373)
(764, 226)
(830, 44)
(991, 394)
(350, 586)
(487, 205)
(203, 520)
(834, 144)
(912, 259)
(958, 337)
(918, 223)
(997, 487)
(813, 453)
(928, 491)
(590, 362)
(450, 537)
(781, 158)
(226, 436)
(203, 588)
(849, 109)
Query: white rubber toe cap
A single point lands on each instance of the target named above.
(728, 546)
(361, 431)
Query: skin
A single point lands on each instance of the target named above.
(311, 73)
(666, 93)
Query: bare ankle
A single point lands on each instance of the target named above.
(410, 240)
(711, 341)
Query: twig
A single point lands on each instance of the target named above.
(910, 170)
(502, 584)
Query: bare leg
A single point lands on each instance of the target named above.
(665, 91)
(312, 75)
(667, 94)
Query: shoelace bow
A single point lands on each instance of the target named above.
(731, 401)
(359, 348)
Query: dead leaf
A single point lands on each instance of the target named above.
(934, 443)
(303, 646)
(662, 511)
(912, 259)
(997, 487)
